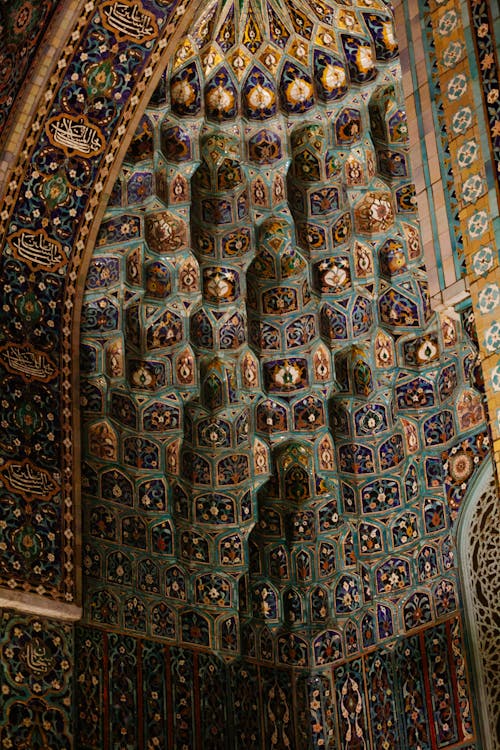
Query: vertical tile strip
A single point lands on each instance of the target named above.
(169, 697)
(140, 698)
(106, 686)
(428, 693)
(453, 674)
(197, 702)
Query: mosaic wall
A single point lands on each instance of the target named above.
(36, 682)
(284, 285)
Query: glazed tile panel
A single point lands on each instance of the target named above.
(414, 696)
(149, 694)
(483, 19)
(277, 427)
(36, 682)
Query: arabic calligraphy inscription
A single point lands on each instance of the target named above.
(28, 479)
(76, 136)
(129, 20)
(23, 360)
(37, 249)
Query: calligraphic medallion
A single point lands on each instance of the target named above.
(24, 360)
(75, 135)
(130, 20)
(37, 249)
(29, 480)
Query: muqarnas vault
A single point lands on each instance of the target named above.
(278, 430)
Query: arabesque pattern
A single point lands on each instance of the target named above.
(194, 699)
(48, 208)
(37, 682)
